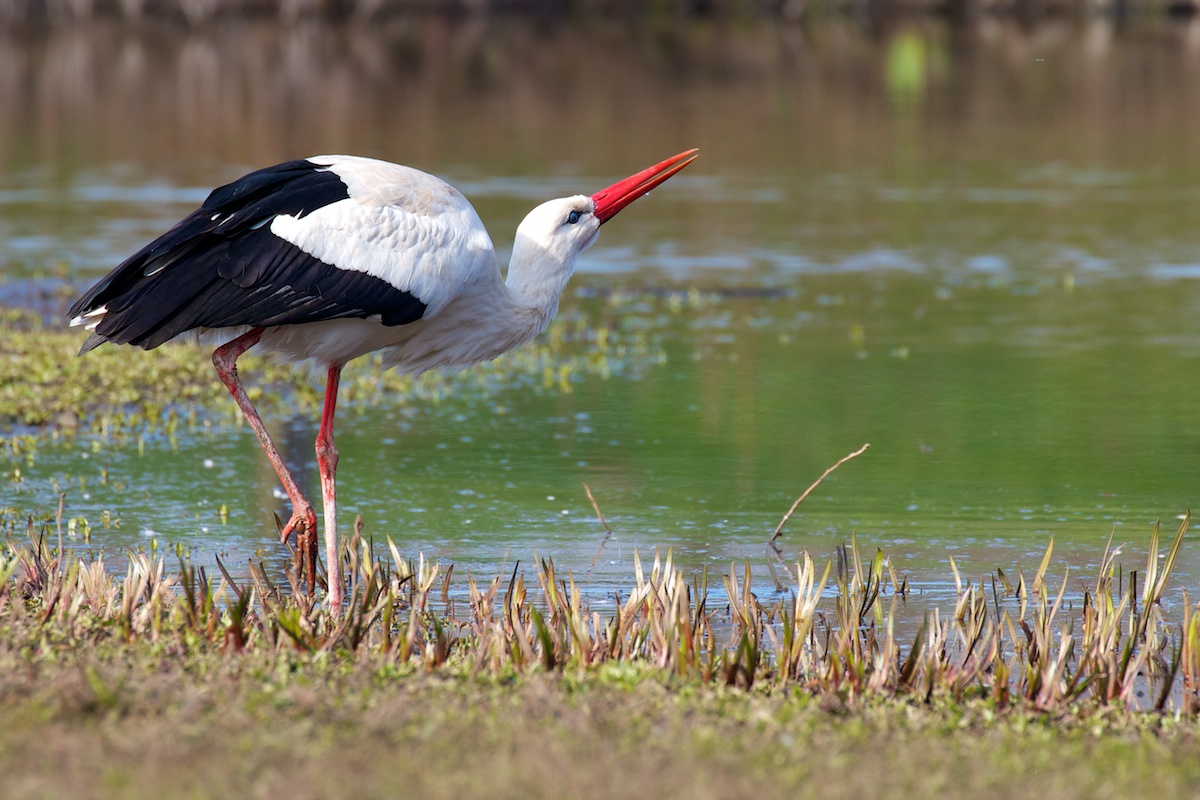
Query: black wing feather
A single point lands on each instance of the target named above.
(221, 266)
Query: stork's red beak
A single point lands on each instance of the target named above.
(611, 200)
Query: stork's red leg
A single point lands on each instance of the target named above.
(303, 520)
(327, 460)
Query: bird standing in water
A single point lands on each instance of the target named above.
(324, 259)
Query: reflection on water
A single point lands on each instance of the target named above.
(972, 246)
(815, 139)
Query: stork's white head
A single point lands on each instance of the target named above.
(552, 236)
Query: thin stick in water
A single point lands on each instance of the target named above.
(808, 491)
(608, 531)
(62, 498)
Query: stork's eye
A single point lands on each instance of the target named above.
(573, 217)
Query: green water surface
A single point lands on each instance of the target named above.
(971, 246)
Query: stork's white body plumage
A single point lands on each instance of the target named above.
(322, 260)
(450, 340)
(407, 227)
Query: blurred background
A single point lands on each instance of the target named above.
(963, 232)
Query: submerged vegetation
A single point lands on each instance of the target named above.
(45, 391)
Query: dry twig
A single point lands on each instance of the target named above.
(608, 531)
(808, 491)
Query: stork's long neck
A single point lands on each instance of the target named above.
(536, 279)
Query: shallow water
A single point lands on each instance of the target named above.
(971, 247)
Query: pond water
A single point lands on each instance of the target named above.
(972, 246)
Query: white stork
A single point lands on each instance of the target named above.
(325, 259)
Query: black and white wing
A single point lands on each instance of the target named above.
(323, 238)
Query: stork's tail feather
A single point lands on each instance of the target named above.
(93, 341)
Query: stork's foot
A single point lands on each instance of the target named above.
(303, 520)
(304, 524)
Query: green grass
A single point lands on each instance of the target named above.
(152, 720)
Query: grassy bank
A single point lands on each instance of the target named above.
(161, 682)
(148, 723)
